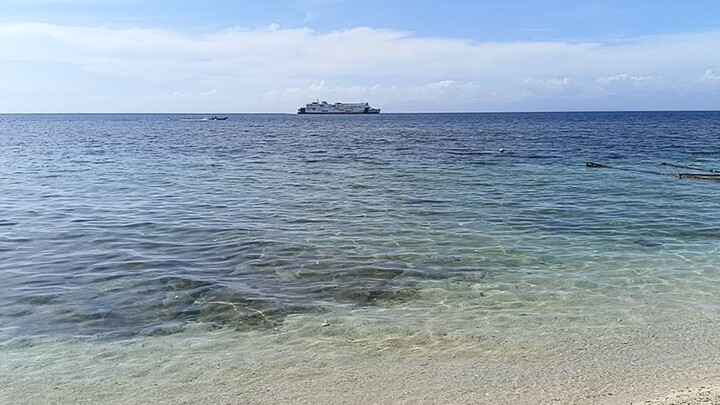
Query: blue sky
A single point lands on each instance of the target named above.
(403, 56)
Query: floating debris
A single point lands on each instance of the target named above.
(692, 176)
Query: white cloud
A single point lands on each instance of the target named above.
(625, 78)
(552, 84)
(629, 85)
(710, 77)
(445, 84)
(276, 69)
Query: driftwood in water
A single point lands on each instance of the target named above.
(695, 176)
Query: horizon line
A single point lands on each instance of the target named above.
(383, 113)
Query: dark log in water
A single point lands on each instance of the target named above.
(695, 176)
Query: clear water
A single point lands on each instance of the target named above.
(123, 225)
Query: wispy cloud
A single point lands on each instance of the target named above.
(710, 77)
(284, 67)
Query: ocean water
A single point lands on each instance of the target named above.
(118, 226)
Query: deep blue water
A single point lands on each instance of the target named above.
(118, 224)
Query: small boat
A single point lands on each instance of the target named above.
(216, 118)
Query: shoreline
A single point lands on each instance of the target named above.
(292, 366)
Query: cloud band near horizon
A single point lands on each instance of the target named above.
(57, 68)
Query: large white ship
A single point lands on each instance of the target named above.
(323, 107)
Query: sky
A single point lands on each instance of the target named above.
(272, 56)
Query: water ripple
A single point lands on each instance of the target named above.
(142, 224)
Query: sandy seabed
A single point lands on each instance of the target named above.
(327, 363)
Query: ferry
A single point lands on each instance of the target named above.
(323, 107)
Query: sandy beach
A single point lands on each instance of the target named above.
(339, 366)
(698, 395)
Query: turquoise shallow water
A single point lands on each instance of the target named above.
(119, 225)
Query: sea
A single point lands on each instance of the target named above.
(462, 228)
